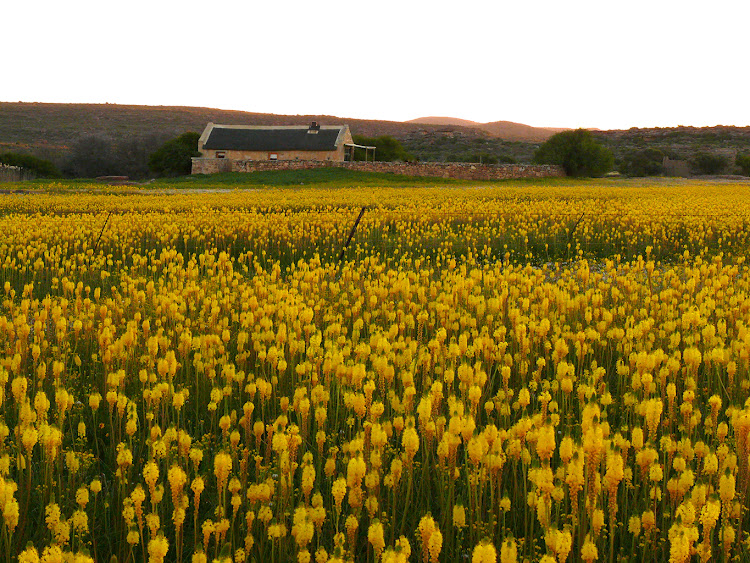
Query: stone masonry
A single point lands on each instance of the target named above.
(459, 170)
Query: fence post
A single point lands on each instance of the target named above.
(351, 233)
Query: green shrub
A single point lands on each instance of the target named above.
(577, 152)
(743, 163)
(644, 162)
(708, 163)
(42, 168)
(173, 158)
(99, 155)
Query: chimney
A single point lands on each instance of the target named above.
(314, 128)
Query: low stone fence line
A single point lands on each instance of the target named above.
(15, 173)
(458, 170)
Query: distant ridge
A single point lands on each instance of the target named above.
(506, 130)
(50, 130)
(54, 127)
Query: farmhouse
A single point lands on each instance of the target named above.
(254, 148)
(258, 142)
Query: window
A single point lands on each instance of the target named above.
(221, 154)
(273, 156)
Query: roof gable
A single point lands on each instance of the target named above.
(259, 138)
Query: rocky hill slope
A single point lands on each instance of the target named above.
(51, 131)
(506, 130)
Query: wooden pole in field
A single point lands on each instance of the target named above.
(351, 233)
(102, 231)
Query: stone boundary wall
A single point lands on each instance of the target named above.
(15, 173)
(459, 170)
(211, 165)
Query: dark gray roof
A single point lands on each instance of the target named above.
(272, 139)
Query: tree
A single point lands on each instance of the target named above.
(42, 168)
(387, 148)
(644, 162)
(90, 157)
(708, 163)
(95, 155)
(173, 158)
(577, 152)
(132, 154)
(743, 162)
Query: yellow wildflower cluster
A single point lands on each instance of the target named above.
(546, 374)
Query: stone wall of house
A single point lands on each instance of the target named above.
(337, 155)
(459, 170)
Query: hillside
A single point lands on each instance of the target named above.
(125, 135)
(679, 139)
(122, 137)
(506, 130)
(444, 121)
(50, 128)
(678, 143)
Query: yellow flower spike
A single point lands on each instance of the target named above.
(351, 525)
(597, 521)
(459, 516)
(29, 439)
(727, 488)
(196, 456)
(375, 537)
(410, 442)
(485, 552)
(80, 522)
(426, 528)
(634, 525)
(158, 494)
(157, 549)
(124, 459)
(338, 491)
(29, 555)
(82, 497)
(648, 520)
(222, 468)
(151, 475)
(19, 386)
(564, 544)
(276, 530)
(308, 480)
(545, 445)
(224, 423)
(435, 545)
(589, 551)
(177, 478)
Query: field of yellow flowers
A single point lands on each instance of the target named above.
(517, 373)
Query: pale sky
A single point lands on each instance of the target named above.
(577, 63)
